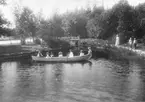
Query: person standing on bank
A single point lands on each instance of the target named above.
(134, 43)
(89, 50)
(130, 42)
(117, 40)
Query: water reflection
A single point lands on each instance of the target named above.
(8, 81)
(98, 80)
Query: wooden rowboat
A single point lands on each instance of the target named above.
(63, 59)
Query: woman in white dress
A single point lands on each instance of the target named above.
(47, 55)
(134, 43)
(117, 40)
(130, 42)
(81, 53)
(71, 54)
(60, 54)
(39, 54)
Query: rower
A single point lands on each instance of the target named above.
(60, 54)
(39, 54)
(47, 55)
(81, 53)
(70, 54)
(89, 50)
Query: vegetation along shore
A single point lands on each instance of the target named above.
(97, 27)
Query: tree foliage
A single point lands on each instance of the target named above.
(4, 23)
(97, 22)
(26, 22)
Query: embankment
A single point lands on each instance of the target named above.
(13, 51)
(111, 50)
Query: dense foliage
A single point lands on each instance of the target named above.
(4, 23)
(122, 19)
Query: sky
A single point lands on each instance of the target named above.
(49, 7)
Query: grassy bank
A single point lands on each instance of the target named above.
(10, 49)
(95, 44)
(13, 50)
(111, 50)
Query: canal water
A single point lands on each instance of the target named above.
(102, 79)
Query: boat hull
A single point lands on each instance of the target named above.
(63, 59)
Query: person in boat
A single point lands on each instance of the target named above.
(47, 55)
(89, 50)
(51, 55)
(70, 54)
(81, 53)
(39, 54)
(60, 54)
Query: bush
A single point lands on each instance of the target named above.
(59, 44)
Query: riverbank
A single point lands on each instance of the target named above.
(138, 51)
(15, 51)
(120, 51)
(97, 46)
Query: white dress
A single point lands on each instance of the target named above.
(89, 51)
(47, 56)
(71, 54)
(38, 55)
(117, 41)
(134, 41)
(130, 41)
(81, 54)
(60, 55)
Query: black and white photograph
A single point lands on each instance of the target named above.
(72, 50)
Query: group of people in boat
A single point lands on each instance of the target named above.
(60, 54)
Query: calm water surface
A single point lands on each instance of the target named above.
(100, 80)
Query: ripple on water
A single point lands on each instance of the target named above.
(102, 80)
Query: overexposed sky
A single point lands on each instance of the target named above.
(48, 7)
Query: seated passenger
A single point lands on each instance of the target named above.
(39, 54)
(51, 55)
(89, 50)
(81, 53)
(47, 55)
(60, 54)
(71, 54)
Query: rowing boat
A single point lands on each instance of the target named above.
(64, 58)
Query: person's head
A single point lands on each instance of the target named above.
(70, 50)
(89, 48)
(60, 52)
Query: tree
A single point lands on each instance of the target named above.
(94, 23)
(66, 27)
(93, 29)
(26, 22)
(3, 2)
(4, 24)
